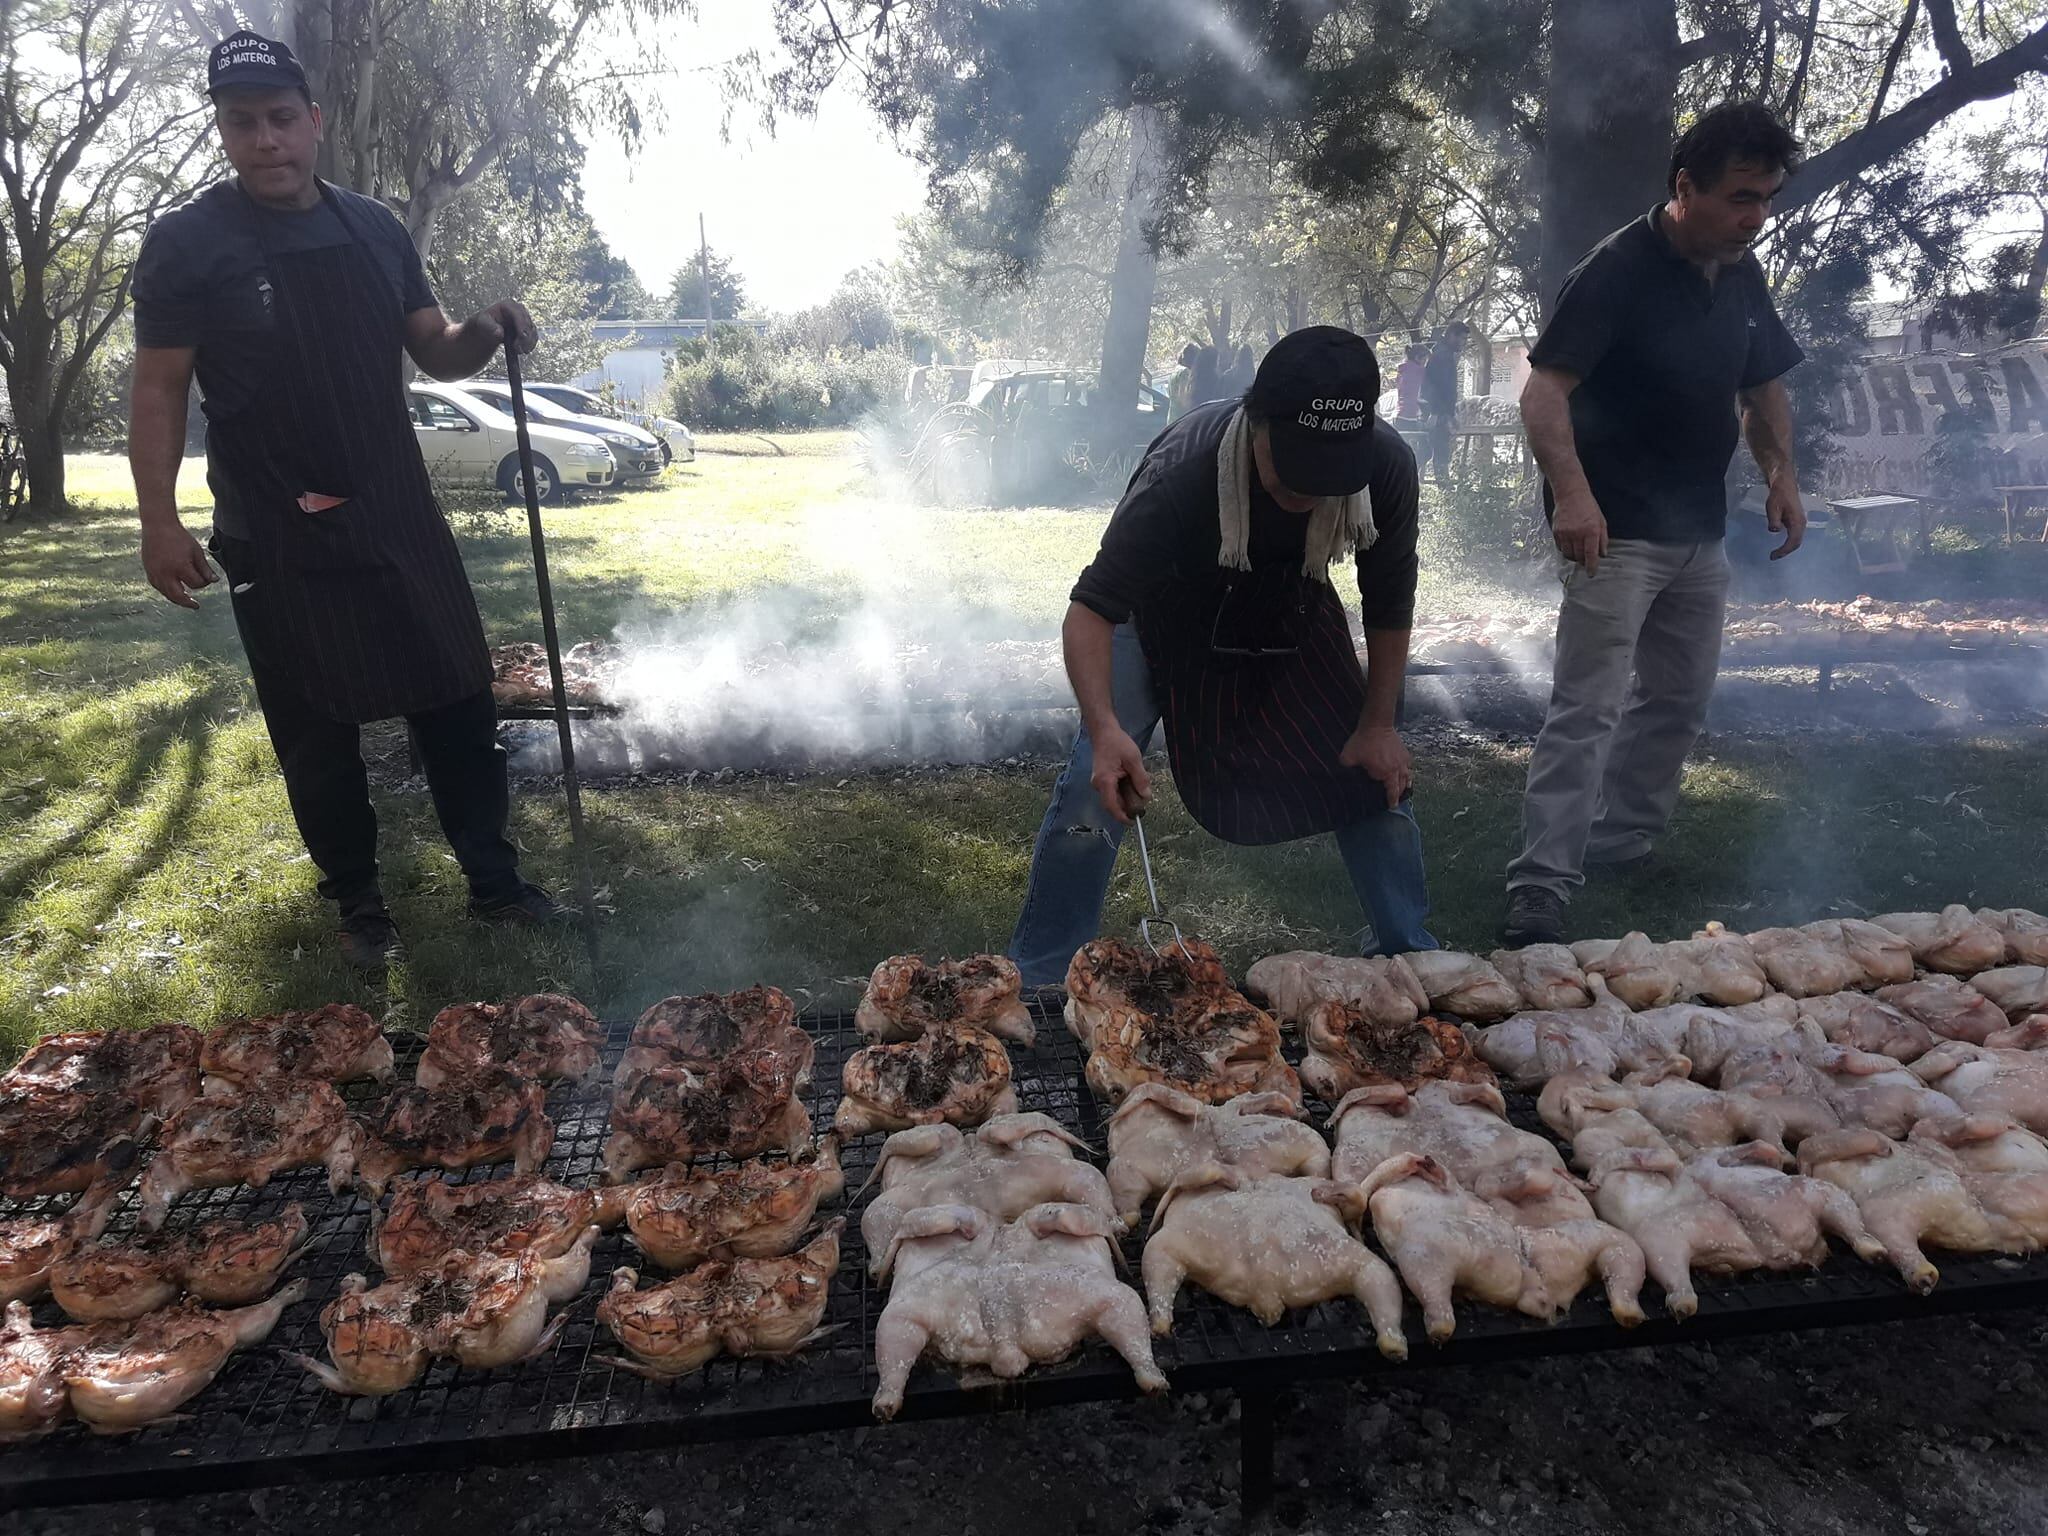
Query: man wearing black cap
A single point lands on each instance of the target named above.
(294, 302)
(1209, 610)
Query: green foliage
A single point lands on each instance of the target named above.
(743, 381)
(686, 290)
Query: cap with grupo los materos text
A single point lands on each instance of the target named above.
(1316, 391)
(247, 62)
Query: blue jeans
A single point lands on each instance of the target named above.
(1078, 841)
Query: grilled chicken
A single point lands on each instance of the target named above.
(479, 1309)
(908, 994)
(488, 1117)
(1446, 1241)
(752, 1210)
(58, 1141)
(1159, 1133)
(1876, 1092)
(224, 1263)
(1952, 1009)
(29, 1245)
(1548, 977)
(339, 1043)
(1108, 978)
(1347, 1050)
(238, 1135)
(546, 1036)
(157, 1067)
(2017, 990)
(1464, 985)
(717, 1029)
(1384, 989)
(954, 1073)
(937, 1165)
(1866, 1023)
(125, 1375)
(522, 1214)
(1908, 1195)
(1647, 1192)
(1563, 1240)
(1634, 968)
(1267, 1245)
(742, 1108)
(745, 1306)
(1788, 1216)
(1987, 1081)
(1004, 1297)
(1955, 940)
(33, 1399)
(2025, 933)
(1461, 1125)
(2001, 1162)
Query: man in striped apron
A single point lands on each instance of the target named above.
(1209, 609)
(295, 303)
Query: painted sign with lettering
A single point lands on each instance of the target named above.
(1887, 413)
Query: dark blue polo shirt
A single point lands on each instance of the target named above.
(1661, 355)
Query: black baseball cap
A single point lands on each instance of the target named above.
(1316, 391)
(248, 62)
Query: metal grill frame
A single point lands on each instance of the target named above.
(265, 1421)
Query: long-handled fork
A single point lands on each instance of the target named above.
(1151, 926)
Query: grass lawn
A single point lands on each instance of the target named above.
(149, 869)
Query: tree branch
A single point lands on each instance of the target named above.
(1892, 56)
(1948, 36)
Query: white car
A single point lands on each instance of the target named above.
(636, 452)
(677, 444)
(468, 441)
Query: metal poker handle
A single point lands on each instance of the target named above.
(1157, 916)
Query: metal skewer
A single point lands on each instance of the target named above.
(1157, 917)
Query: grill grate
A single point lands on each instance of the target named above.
(264, 1420)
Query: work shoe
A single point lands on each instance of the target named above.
(1535, 916)
(370, 942)
(529, 905)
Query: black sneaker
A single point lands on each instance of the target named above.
(529, 905)
(1535, 916)
(370, 941)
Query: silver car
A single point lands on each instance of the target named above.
(677, 444)
(637, 453)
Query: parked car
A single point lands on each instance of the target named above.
(468, 441)
(636, 453)
(677, 444)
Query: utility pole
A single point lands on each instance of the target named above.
(704, 270)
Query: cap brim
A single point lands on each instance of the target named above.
(259, 79)
(1310, 467)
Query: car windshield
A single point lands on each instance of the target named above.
(537, 404)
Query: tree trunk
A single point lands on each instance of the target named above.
(1219, 325)
(1132, 285)
(1606, 146)
(42, 444)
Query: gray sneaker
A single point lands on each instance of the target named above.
(1535, 916)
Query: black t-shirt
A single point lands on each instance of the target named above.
(200, 283)
(1660, 356)
(1167, 527)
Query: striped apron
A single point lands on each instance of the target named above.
(1254, 738)
(363, 606)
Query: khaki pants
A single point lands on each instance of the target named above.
(1638, 647)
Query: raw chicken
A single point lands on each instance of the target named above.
(1634, 969)
(1464, 985)
(757, 1209)
(1778, 1071)
(1003, 1298)
(1346, 1050)
(1563, 1240)
(547, 1036)
(1803, 962)
(1159, 1133)
(1532, 1048)
(1884, 958)
(1875, 1092)
(482, 1310)
(523, 1213)
(222, 1262)
(1867, 1023)
(1446, 1242)
(32, 1396)
(937, 1165)
(29, 1245)
(1647, 1192)
(1988, 1081)
(1547, 976)
(58, 1141)
(1385, 989)
(908, 994)
(765, 1306)
(2030, 1034)
(953, 1073)
(1171, 1019)
(1716, 967)
(2001, 1162)
(1695, 1118)
(157, 1067)
(1952, 1009)
(744, 1105)
(249, 1135)
(490, 1116)
(1908, 1195)
(1954, 940)
(1788, 1216)
(124, 1375)
(338, 1042)
(2025, 933)
(1267, 1245)
(1598, 1116)
(1461, 1125)
(1713, 1035)
(2018, 990)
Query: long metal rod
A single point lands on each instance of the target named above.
(570, 784)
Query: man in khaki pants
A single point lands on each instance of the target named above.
(1664, 345)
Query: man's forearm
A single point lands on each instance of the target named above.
(156, 448)
(1767, 426)
(1547, 421)
(1086, 639)
(1386, 670)
(457, 351)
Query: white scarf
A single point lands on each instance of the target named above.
(1338, 524)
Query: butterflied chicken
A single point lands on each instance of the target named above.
(1802, 962)
(1713, 1035)
(157, 1067)
(224, 1263)
(249, 1135)
(908, 994)
(1347, 1050)
(491, 1116)
(1159, 1133)
(2030, 1034)
(714, 1030)
(1463, 985)
(937, 1165)
(339, 1043)
(1876, 1092)
(742, 1107)
(1531, 1048)
(1172, 1019)
(1779, 1070)
(1565, 1242)
(1003, 1297)
(757, 1209)
(1108, 977)
(125, 1375)
(1647, 1192)
(744, 1306)
(546, 1036)
(1717, 968)
(1908, 1196)
(58, 1141)
(1267, 1245)
(1884, 958)
(1952, 1009)
(1547, 977)
(479, 1309)
(1598, 1116)
(29, 1245)
(1788, 1217)
(1634, 969)
(1955, 940)
(1988, 1081)
(2001, 1162)
(2017, 990)
(2025, 933)
(1866, 1023)
(33, 1399)
(1446, 1242)
(1696, 1118)
(1384, 989)
(523, 1214)
(954, 1073)
(1461, 1125)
